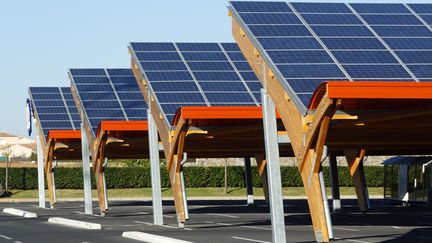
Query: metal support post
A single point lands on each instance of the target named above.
(86, 172)
(104, 183)
(155, 170)
(273, 167)
(334, 179)
(53, 180)
(248, 181)
(40, 165)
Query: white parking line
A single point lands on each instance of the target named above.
(352, 240)
(150, 238)
(5, 237)
(224, 215)
(255, 227)
(250, 240)
(164, 225)
(142, 222)
(347, 229)
(169, 216)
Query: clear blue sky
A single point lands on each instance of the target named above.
(40, 40)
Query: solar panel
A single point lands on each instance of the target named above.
(208, 74)
(309, 43)
(109, 94)
(54, 108)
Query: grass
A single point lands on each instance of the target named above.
(191, 192)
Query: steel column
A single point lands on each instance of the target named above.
(273, 167)
(334, 179)
(248, 181)
(86, 172)
(40, 165)
(155, 170)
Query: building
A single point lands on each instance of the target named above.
(19, 147)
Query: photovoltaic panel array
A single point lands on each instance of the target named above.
(197, 74)
(55, 108)
(309, 43)
(108, 94)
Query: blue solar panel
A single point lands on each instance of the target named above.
(169, 76)
(421, 71)
(251, 6)
(304, 56)
(289, 43)
(344, 31)
(420, 56)
(321, 7)
(209, 66)
(54, 108)
(204, 56)
(175, 86)
(379, 8)
(198, 47)
(403, 31)
(181, 97)
(350, 31)
(421, 8)
(279, 30)
(364, 57)
(225, 86)
(108, 96)
(331, 19)
(409, 43)
(159, 66)
(229, 98)
(153, 46)
(376, 72)
(311, 71)
(352, 43)
(270, 18)
(87, 72)
(218, 74)
(391, 19)
(158, 56)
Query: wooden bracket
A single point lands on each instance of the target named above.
(48, 170)
(355, 163)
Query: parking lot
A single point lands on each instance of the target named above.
(217, 221)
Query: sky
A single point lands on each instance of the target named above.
(40, 40)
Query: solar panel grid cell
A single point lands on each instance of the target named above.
(107, 97)
(362, 53)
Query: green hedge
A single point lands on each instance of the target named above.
(129, 177)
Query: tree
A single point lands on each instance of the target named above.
(6, 151)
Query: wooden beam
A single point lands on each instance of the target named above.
(355, 162)
(98, 160)
(262, 171)
(48, 170)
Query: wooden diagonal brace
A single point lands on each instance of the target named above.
(98, 159)
(355, 162)
(48, 171)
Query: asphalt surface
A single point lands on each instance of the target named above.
(217, 221)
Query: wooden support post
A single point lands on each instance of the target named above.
(262, 171)
(48, 171)
(174, 168)
(310, 164)
(98, 173)
(248, 181)
(355, 163)
(334, 179)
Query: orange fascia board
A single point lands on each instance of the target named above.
(371, 90)
(64, 134)
(219, 112)
(122, 126)
(379, 90)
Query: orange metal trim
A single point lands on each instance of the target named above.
(218, 112)
(372, 90)
(64, 134)
(122, 126)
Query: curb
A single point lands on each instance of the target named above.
(136, 235)
(75, 223)
(20, 213)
